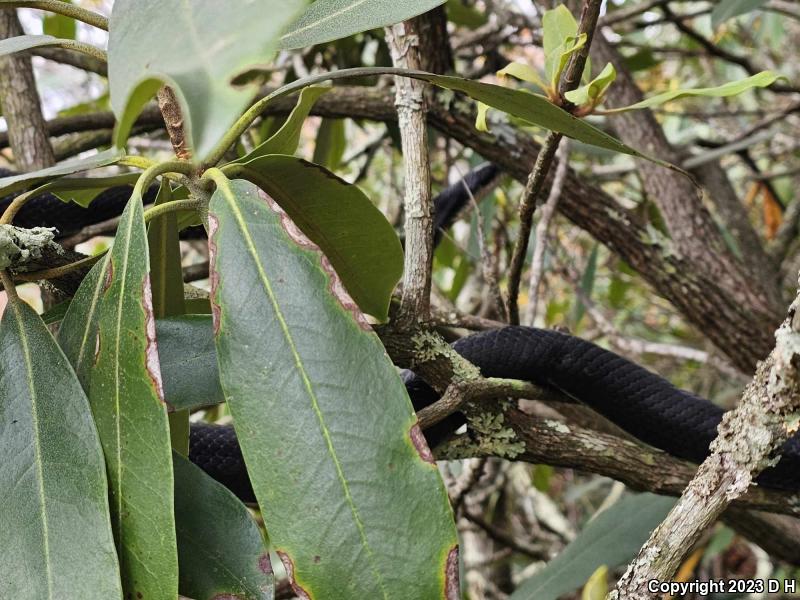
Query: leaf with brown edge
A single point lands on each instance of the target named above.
(127, 402)
(323, 420)
(355, 236)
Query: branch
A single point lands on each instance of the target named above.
(530, 197)
(749, 437)
(542, 231)
(21, 104)
(403, 41)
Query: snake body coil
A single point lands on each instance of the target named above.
(645, 405)
(640, 402)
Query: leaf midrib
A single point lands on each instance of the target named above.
(227, 194)
(333, 15)
(125, 251)
(37, 449)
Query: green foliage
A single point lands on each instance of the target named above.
(340, 219)
(145, 53)
(55, 519)
(10, 185)
(330, 521)
(128, 407)
(728, 9)
(286, 139)
(59, 26)
(348, 494)
(327, 20)
(331, 143)
(732, 88)
(221, 551)
(611, 539)
(188, 362)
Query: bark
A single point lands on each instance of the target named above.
(694, 234)
(740, 331)
(748, 439)
(21, 106)
(404, 43)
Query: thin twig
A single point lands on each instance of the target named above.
(542, 230)
(530, 198)
(487, 261)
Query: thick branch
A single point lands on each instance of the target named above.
(21, 105)
(404, 43)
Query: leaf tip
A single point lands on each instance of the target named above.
(216, 313)
(452, 588)
(421, 444)
(265, 564)
(289, 566)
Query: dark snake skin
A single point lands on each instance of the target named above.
(640, 402)
(645, 405)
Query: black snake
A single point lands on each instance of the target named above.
(640, 402)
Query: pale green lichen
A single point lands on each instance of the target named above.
(493, 438)
(557, 426)
(19, 246)
(429, 347)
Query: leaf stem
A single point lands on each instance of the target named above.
(18, 202)
(57, 272)
(252, 113)
(173, 206)
(8, 285)
(63, 8)
(83, 48)
(155, 170)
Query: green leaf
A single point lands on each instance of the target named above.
(10, 185)
(327, 20)
(286, 139)
(558, 26)
(523, 72)
(55, 524)
(537, 110)
(570, 46)
(196, 47)
(166, 278)
(21, 43)
(459, 13)
(166, 274)
(77, 334)
(355, 236)
(220, 549)
(727, 9)
(594, 91)
(308, 382)
(56, 313)
(612, 538)
(127, 402)
(83, 190)
(587, 286)
(533, 108)
(59, 26)
(188, 361)
(732, 88)
(331, 144)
